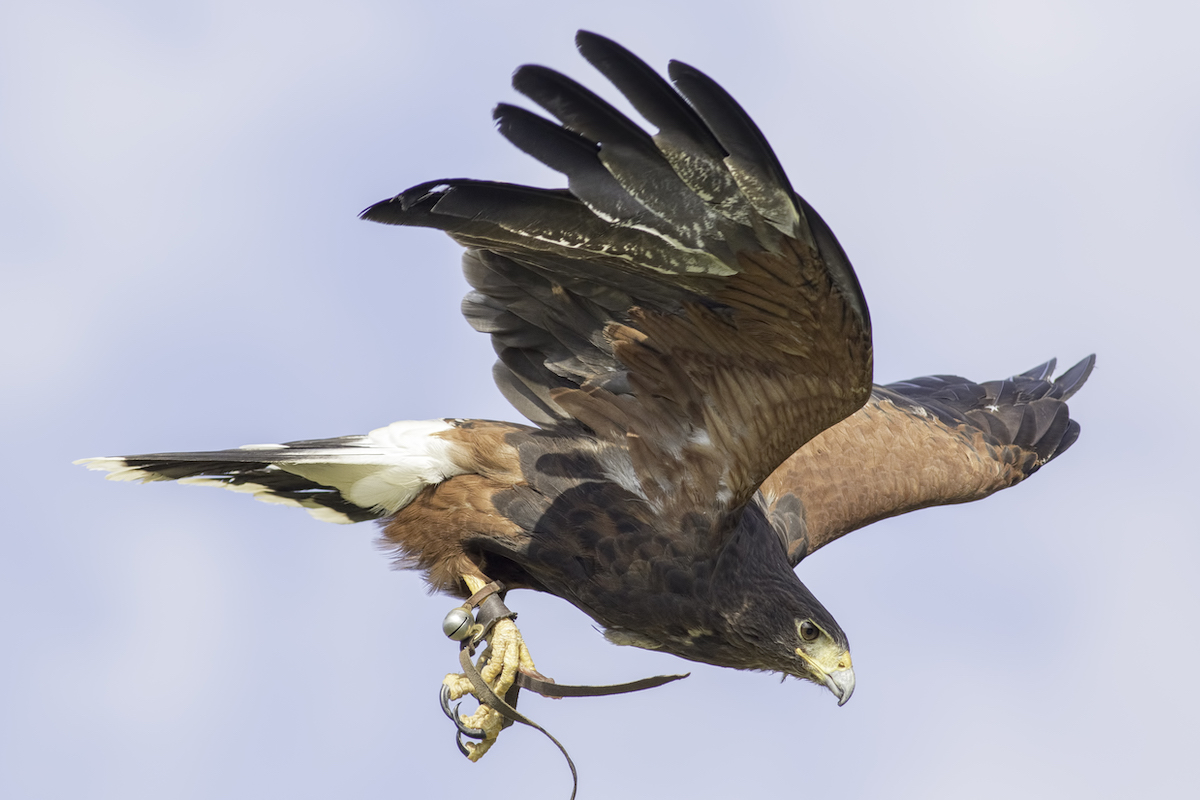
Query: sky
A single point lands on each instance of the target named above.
(183, 269)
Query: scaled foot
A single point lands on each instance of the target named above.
(506, 653)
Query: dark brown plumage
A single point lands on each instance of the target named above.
(695, 351)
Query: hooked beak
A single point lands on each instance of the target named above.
(841, 683)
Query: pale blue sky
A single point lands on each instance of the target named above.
(184, 270)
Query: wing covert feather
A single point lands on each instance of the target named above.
(929, 441)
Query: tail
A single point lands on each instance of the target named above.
(343, 480)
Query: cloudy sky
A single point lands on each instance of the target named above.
(183, 269)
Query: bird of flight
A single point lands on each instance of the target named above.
(693, 350)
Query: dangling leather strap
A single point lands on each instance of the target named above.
(552, 689)
(485, 695)
(491, 611)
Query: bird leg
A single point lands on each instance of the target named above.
(505, 654)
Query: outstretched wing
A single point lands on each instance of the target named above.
(929, 441)
(678, 297)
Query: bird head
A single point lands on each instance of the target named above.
(823, 657)
(774, 621)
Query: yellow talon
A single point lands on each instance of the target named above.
(498, 664)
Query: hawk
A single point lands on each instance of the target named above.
(693, 351)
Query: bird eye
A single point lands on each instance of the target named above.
(809, 631)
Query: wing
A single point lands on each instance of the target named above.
(678, 297)
(929, 441)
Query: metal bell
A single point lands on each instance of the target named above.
(457, 624)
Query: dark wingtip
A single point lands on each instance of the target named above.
(586, 41)
(1073, 379)
(1064, 431)
(602, 52)
(1041, 372)
(370, 211)
(1069, 438)
(1026, 410)
(394, 210)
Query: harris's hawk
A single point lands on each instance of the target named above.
(694, 351)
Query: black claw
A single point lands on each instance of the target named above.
(462, 748)
(452, 713)
(444, 697)
(467, 730)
